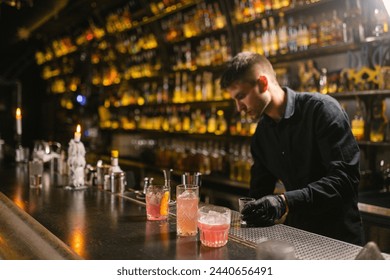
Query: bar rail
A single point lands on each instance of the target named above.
(22, 237)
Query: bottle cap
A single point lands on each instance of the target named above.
(115, 153)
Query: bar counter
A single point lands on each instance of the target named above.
(96, 224)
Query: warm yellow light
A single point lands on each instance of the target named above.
(78, 128)
(18, 113)
(387, 6)
(77, 134)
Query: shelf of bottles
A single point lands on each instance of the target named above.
(265, 29)
(228, 162)
(207, 157)
(204, 19)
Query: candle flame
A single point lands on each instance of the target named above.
(18, 113)
(78, 128)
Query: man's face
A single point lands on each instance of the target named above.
(248, 98)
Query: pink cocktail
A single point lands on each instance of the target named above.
(186, 209)
(214, 224)
(157, 199)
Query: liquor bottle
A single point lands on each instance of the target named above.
(198, 87)
(184, 88)
(248, 11)
(216, 160)
(303, 37)
(243, 124)
(323, 81)
(186, 118)
(238, 14)
(378, 122)
(246, 164)
(353, 29)
(217, 54)
(212, 120)
(233, 124)
(225, 49)
(233, 162)
(273, 36)
(324, 37)
(180, 123)
(221, 124)
(217, 90)
(245, 42)
(285, 3)
(207, 86)
(357, 124)
(204, 159)
(174, 121)
(258, 40)
(165, 90)
(268, 6)
(336, 29)
(219, 18)
(207, 52)
(252, 125)
(188, 59)
(313, 33)
(114, 162)
(165, 123)
(276, 4)
(258, 6)
(292, 36)
(380, 23)
(177, 90)
(265, 39)
(282, 35)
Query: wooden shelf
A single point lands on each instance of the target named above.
(366, 93)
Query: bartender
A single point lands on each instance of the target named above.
(303, 139)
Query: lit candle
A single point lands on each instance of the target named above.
(18, 121)
(77, 134)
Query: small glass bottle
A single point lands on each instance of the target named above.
(378, 123)
(357, 124)
(115, 162)
(323, 82)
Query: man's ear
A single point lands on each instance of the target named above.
(263, 83)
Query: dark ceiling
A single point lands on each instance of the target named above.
(44, 21)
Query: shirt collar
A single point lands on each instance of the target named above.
(290, 106)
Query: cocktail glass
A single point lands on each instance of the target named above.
(157, 202)
(241, 203)
(187, 199)
(214, 224)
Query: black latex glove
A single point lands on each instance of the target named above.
(264, 211)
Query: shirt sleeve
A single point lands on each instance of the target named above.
(339, 154)
(262, 181)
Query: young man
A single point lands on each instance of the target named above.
(304, 140)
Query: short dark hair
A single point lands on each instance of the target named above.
(239, 66)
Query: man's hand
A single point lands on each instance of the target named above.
(264, 211)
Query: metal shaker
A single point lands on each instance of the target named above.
(102, 170)
(118, 182)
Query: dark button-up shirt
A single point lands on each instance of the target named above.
(313, 152)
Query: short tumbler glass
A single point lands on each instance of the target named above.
(35, 170)
(241, 203)
(157, 202)
(214, 224)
